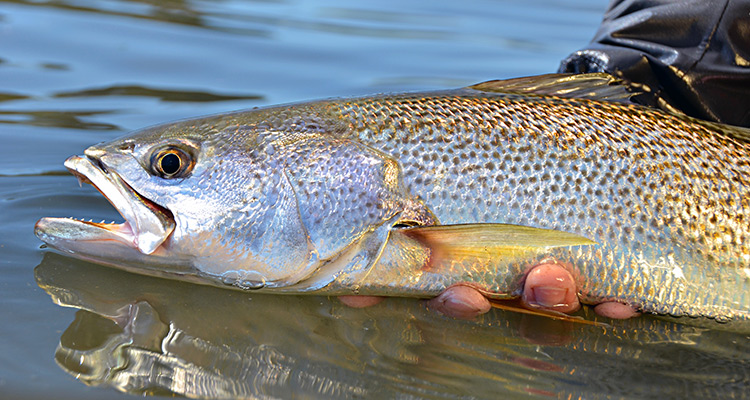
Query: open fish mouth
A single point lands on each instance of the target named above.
(147, 225)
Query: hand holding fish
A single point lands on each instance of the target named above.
(547, 287)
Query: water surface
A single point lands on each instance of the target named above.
(74, 73)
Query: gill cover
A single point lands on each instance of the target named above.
(312, 203)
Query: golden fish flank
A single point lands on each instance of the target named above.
(337, 197)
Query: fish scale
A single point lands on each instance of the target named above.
(665, 196)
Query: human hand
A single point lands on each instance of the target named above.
(548, 286)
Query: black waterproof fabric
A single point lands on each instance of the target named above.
(690, 56)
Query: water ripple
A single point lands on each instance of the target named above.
(171, 95)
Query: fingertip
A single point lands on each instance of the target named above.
(460, 302)
(360, 301)
(615, 310)
(550, 286)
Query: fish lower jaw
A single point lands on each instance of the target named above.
(62, 232)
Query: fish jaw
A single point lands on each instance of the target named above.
(147, 225)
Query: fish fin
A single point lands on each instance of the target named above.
(515, 306)
(597, 86)
(491, 240)
(594, 86)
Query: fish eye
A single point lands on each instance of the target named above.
(171, 162)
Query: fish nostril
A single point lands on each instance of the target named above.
(95, 155)
(128, 146)
(98, 162)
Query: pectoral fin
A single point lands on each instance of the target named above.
(423, 261)
(491, 240)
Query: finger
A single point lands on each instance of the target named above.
(360, 301)
(460, 302)
(550, 286)
(616, 310)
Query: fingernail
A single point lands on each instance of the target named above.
(459, 305)
(548, 297)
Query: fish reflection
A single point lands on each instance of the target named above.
(146, 335)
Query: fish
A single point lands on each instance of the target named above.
(409, 194)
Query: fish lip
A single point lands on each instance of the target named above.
(147, 224)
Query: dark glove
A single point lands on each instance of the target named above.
(690, 56)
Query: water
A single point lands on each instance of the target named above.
(73, 73)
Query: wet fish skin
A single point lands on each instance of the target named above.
(664, 196)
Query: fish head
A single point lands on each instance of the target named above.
(238, 201)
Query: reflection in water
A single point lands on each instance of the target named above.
(145, 335)
(60, 119)
(12, 97)
(161, 94)
(80, 119)
(173, 11)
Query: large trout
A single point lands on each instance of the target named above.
(408, 194)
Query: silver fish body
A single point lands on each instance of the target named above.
(320, 197)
